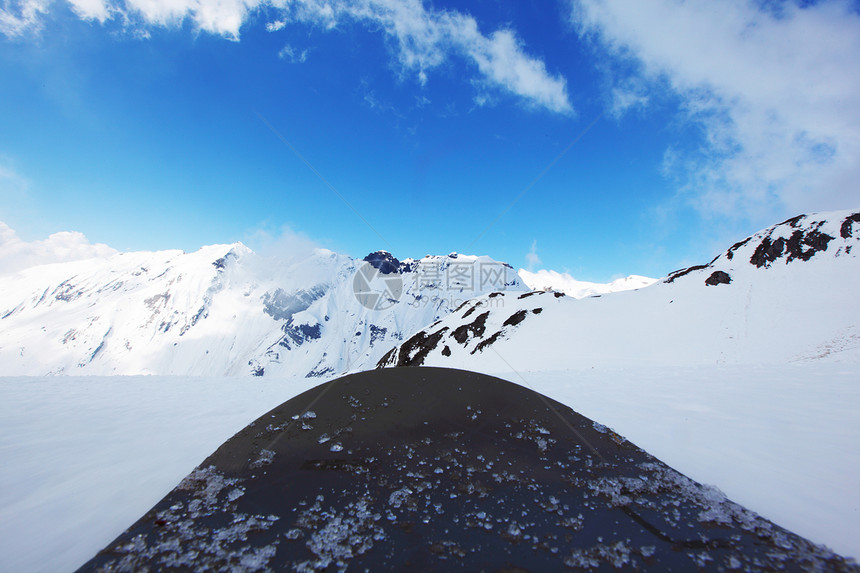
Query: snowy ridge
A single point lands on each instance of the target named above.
(563, 282)
(782, 295)
(223, 310)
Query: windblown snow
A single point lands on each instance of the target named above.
(741, 373)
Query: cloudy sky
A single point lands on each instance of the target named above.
(597, 137)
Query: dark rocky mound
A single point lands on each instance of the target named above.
(718, 278)
(385, 262)
(444, 470)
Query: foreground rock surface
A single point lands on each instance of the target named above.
(432, 468)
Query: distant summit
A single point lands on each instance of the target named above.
(798, 239)
(563, 282)
(386, 263)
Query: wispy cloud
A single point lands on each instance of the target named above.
(16, 254)
(426, 38)
(532, 258)
(293, 55)
(421, 38)
(773, 86)
(22, 16)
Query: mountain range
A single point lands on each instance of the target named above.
(226, 311)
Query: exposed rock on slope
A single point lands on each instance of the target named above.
(784, 294)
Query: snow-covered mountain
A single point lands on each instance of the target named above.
(223, 310)
(741, 373)
(562, 282)
(785, 294)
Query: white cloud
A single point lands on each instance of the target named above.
(421, 38)
(426, 38)
(774, 88)
(16, 254)
(91, 9)
(502, 62)
(22, 16)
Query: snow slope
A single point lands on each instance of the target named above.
(563, 282)
(225, 311)
(84, 460)
(749, 366)
(784, 295)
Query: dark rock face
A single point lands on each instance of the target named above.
(731, 252)
(718, 278)
(476, 328)
(794, 221)
(487, 342)
(847, 229)
(678, 274)
(515, 318)
(389, 358)
(413, 351)
(471, 309)
(298, 334)
(319, 371)
(432, 469)
(377, 333)
(384, 262)
(221, 263)
(800, 245)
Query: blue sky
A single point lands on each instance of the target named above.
(597, 137)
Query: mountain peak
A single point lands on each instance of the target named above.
(800, 238)
(385, 262)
